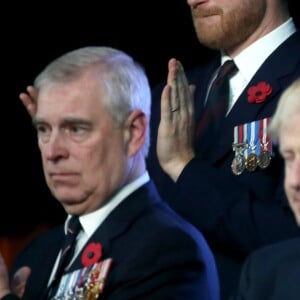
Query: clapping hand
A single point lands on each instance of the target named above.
(176, 128)
(29, 100)
(18, 283)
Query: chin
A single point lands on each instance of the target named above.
(66, 199)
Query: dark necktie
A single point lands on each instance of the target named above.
(216, 103)
(67, 252)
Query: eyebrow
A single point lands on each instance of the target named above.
(66, 120)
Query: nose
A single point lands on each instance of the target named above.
(55, 148)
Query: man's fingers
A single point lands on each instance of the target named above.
(29, 99)
(32, 92)
(29, 103)
(19, 281)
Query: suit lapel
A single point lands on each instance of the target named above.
(119, 220)
(100, 262)
(274, 72)
(242, 113)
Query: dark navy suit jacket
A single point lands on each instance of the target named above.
(155, 254)
(272, 273)
(237, 214)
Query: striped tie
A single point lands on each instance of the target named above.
(216, 104)
(67, 252)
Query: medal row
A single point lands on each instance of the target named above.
(240, 163)
(252, 146)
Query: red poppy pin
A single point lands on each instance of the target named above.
(258, 93)
(91, 254)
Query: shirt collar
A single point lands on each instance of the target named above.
(250, 59)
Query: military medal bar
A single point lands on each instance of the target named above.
(252, 146)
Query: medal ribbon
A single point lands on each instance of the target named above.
(252, 130)
(265, 140)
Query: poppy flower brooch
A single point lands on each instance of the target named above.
(259, 93)
(91, 254)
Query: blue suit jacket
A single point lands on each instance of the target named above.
(272, 273)
(237, 214)
(155, 254)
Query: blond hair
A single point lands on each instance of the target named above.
(288, 106)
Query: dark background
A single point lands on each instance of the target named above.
(33, 35)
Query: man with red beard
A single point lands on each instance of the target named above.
(228, 182)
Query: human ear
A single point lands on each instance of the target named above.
(135, 131)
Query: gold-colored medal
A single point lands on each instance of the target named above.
(251, 162)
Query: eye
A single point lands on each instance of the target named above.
(43, 132)
(76, 129)
(77, 132)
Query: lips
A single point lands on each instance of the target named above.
(63, 176)
(198, 3)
